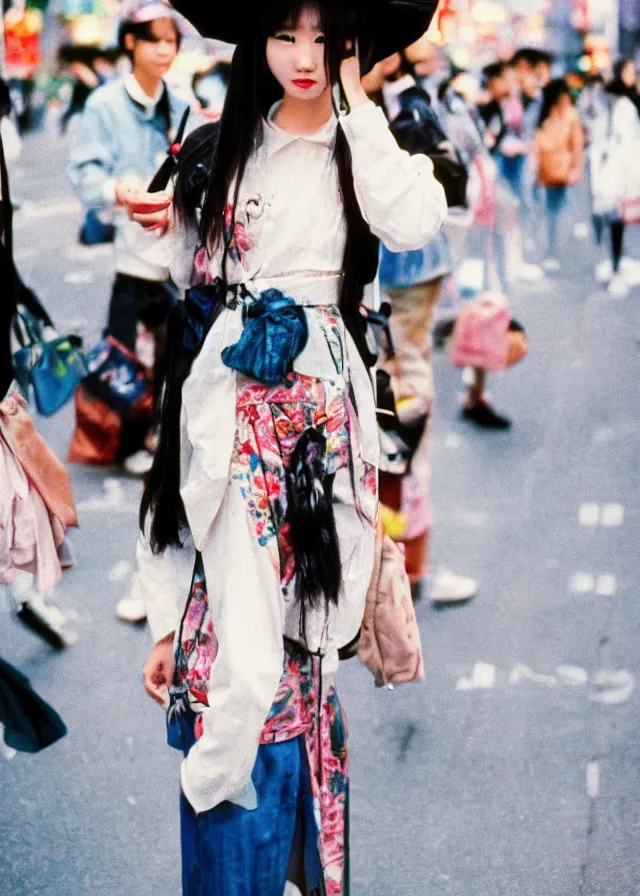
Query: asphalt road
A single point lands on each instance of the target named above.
(514, 769)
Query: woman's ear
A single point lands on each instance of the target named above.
(129, 43)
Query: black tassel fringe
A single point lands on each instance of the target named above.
(313, 528)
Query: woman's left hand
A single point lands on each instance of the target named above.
(350, 78)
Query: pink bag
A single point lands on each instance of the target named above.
(390, 644)
(630, 210)
(480, 334)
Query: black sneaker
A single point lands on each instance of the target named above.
(483, 415)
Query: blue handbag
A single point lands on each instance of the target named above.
(116, 376)
(52, 366)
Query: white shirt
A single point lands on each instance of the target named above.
(293, 232)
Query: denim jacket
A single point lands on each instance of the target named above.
(120, 136)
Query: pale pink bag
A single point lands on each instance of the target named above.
(390, 645)
(480, 334)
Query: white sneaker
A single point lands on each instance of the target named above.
(630, 270)
(604, 270)
(448, 587)
(618, 287)
(131, 609)
(581, 230)
(529, 273)
(138, 464)
(551, 265)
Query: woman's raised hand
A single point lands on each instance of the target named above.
(151, 210)
(350, 77)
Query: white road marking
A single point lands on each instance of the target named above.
(573, 675)
(114, 500)
(120, 571)
(589, 514)
(604, 434)
(520, 672)
(581, 583)
(453, 440)
(473, 518)
(74, 324)
(607, 686)
(606, 585)
(132, 801)
(483, 676)
(593, 779)
(50, 209)
(78, 252)
(612, 515)
(78, 278)
(612, 686)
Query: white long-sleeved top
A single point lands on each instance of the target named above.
(290, 233)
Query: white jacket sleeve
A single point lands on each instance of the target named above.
(164, 580)
(400, 199)
(247, 613)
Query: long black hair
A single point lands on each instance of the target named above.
(251, 92)
(550, 96)
(616, 87)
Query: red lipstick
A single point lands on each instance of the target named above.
(305, 83)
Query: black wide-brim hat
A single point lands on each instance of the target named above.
(391, 24)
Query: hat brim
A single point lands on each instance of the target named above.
(393, 24)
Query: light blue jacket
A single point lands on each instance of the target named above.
(399, 270)
(120, 136)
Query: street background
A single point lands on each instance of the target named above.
(515, 767)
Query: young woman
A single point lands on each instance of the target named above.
(559, 154)
(265, 476)
(126, 129)
(612, 167)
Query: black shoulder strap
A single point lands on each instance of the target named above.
(162, 176)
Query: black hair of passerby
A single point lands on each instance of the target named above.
(550, 96)
(140, 31)
(532, 55)
(618, 86)
(493, 70)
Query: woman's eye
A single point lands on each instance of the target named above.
(320, 39)
(287, 38)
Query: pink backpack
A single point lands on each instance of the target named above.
(480, 335)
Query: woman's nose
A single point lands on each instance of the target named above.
(304, 57)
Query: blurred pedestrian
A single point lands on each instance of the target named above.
(90, 67)
(270, 407)
(413, 283)
(613, 169)
(559, 154)
(126, 129)
(509, 142)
